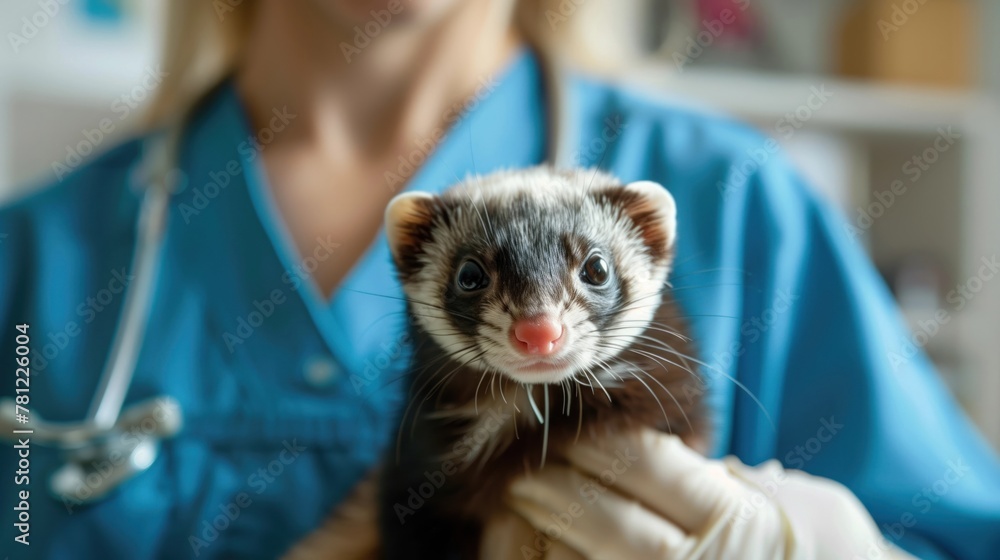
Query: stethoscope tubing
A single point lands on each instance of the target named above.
(116, 378)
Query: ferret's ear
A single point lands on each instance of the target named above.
(654, 211)
(408, 220)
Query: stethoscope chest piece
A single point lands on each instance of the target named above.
(99, 460)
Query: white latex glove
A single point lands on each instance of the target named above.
(651, 497)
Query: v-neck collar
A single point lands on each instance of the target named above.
(501, 128)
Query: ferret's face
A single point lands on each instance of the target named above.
(536, 275)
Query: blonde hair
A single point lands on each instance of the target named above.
(200, 47)
(204, 40)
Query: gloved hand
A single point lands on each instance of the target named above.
(649, 496)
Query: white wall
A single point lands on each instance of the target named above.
(63, 80)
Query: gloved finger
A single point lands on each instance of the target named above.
(817, 509)
(666, 475)
(566, 506)
(503, 536)
(507, 536)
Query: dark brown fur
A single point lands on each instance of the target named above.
(451, 518)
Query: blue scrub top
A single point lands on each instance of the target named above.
(289, 399)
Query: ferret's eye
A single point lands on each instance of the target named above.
(595, 271)
(471, 277)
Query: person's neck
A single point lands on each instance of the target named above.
(367, 96)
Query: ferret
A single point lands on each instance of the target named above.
(541, 316)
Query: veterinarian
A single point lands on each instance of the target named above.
(263, 387)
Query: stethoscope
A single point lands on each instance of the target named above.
(111, 445)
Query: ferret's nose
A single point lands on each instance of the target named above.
(536, 335)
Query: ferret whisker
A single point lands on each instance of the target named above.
(418, 392)
(662, 386)
(657, 294)
(579, 421)
(651, 392)
(503, 397)
(412, 302)
(587, 384)
(632, 371)
(659, 326)
(604, 365)
(700, 286)
(475, 398)
(590, 375)
(706, 270)
(427, 381)
(667, 348)
(545, 429)
(444, 384)
(569, 396)
(655, 344)
(732, 379)
(444, 332)
(442, 381)
(651, 327)
(377, 320)
(601, 383)
(513, 398)
(534, 406)
(445, 356)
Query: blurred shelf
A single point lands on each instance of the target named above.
(74, 59)
(96, 68)
(856, 107)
